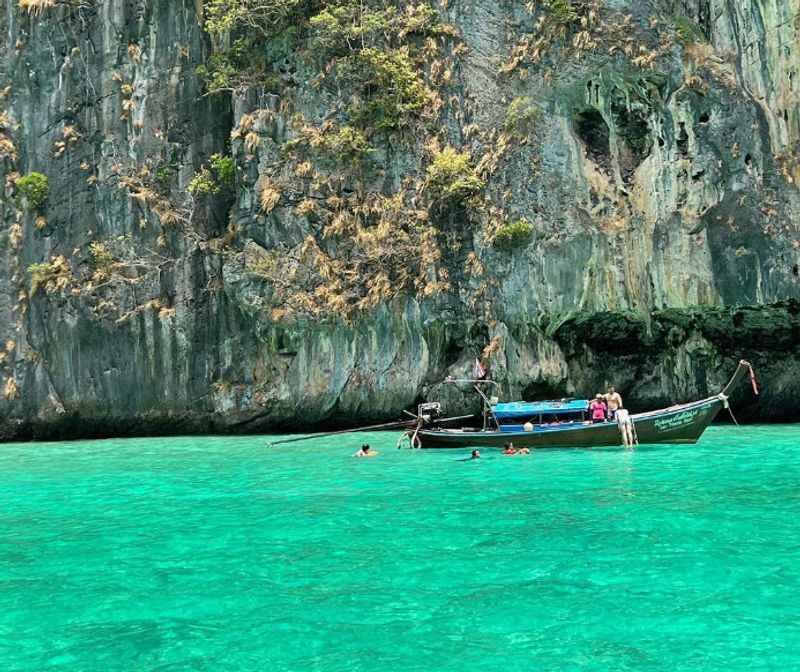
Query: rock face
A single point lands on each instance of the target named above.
(290, 242)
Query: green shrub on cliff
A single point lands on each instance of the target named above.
(225, 169)
(451, 177)
(246, 36)
(223, 17)
(101, 260)
(219, 174)
(220, 72)
(330, 148)
(561, 12)
(203, 183)
(52, 276)
(513, 235)
(347, 145)
(238, 65)
(347, 26)
(371, 50)
(34, 188)
(39, 275)
(688, 31)
(521, 118)
(391, 90)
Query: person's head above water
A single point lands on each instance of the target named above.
(364, 447)
(476, 454)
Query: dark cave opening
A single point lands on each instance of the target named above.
(634, 131)
(538, 391)
(452, 352)
(594, 133)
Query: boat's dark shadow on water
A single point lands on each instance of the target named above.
(492, 453)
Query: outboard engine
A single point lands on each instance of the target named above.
(429, 410)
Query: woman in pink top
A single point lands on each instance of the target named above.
(598, 409)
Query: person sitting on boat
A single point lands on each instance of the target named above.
(365, 451)
(614, 401)
(509, 449)
(598, 409)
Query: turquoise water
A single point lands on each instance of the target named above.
(222, 554)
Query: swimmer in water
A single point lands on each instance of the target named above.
(509, 449)
(365, 451)
(476, 455)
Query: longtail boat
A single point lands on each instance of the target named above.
(681, 423)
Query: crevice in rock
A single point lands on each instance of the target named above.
(683, 139)
(681, 196)
(704, 17)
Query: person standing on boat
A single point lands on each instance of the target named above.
(598, 409)
(614, 401)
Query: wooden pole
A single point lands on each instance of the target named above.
(319, 435)
(408, 424)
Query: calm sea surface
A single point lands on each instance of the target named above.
(223, 554)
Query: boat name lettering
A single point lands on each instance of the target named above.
(679, 420)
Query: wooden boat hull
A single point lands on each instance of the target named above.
(678, 424)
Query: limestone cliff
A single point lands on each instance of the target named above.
(217, 217)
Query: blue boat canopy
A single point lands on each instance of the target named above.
(527, 410)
